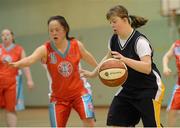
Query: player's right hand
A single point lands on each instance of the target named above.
(167, 72)
(86, 74)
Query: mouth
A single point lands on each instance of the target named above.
(115, 31)
(55, 38)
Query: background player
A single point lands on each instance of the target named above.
(174, 102)
(8, 82)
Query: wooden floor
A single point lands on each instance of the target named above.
(39, 117)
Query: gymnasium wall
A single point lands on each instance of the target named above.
(28, 20)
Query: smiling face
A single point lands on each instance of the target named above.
(56, 31)
(7, 37)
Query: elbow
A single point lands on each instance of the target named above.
(148, 70)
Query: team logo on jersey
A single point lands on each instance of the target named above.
(53, 58)
(177, 50)
(6, 58)
(65, 68)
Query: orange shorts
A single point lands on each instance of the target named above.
(8, 97)
(60, 111)
(174, 103)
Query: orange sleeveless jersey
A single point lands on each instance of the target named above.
(177, 56)
(64, 71)
(7, 73)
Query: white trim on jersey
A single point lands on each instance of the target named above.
(122, 42)
(161, 88)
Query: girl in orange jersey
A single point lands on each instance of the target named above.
(8, 98)
(174, 102)
(62, 56)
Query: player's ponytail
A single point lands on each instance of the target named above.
(137, 21)
(12, 33)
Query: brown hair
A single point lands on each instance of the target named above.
(12, 33)
(63, 22)
(121, 11)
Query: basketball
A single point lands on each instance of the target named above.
(113, 72)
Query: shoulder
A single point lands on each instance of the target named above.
(177, 42)
(46, 43)
(140, 35)
(18, 47)
(76, 43)
(143, 40)
(113, 37)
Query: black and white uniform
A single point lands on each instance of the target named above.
(141, 94)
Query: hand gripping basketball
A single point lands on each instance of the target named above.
(113, 72)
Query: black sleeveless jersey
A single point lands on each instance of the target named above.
(137, 85)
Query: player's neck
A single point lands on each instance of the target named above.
(62, 45)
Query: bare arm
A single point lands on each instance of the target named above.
(27, 73)
(86, 55)
(38, 54)
(144, 65)
(168, 55)
(94, 73)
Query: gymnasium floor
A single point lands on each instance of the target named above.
(38, 117)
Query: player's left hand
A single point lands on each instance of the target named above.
(117, 55)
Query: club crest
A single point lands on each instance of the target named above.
(65, 68)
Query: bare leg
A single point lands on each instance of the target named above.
(11, 118)
(172, 118)
(88, 122)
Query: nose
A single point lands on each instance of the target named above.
(54, 32)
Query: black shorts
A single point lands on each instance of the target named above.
(127, 112)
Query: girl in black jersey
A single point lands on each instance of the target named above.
(142, 93)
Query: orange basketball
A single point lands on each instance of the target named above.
(113, 72)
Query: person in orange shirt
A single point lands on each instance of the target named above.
(62, 55)
(174, 101)
(9, 51)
